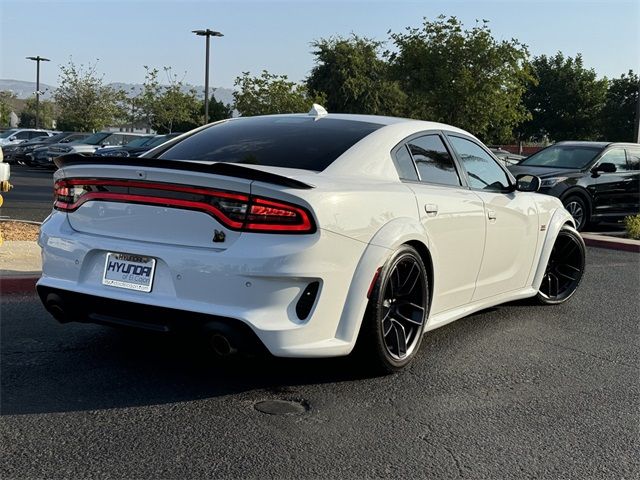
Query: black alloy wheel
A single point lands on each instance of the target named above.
(397, 312)
(565, 268)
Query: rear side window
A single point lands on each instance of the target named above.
(404, 162)
(293, 141)
(433, 161)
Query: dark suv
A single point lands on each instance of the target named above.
(595, 180)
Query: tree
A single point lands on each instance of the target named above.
(620, 107)
(462, 77)
(6, 107)
(84, 102)
(28, 115)
(566, 101)
(217, 110)
(353, 77)
(168, 108)
(269, 94)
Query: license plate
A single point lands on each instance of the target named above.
(134, 272)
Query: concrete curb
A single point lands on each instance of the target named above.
(611, 243)
(18, 284)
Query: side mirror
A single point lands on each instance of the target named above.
(527, 183)
(604, 167)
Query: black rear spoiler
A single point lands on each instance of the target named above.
(219, 168)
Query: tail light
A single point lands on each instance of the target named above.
(236, 211)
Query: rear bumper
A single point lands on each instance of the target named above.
(258, 281)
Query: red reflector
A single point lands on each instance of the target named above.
(374, 280)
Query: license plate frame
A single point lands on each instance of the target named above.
(129, 271)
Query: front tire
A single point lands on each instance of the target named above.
(579, 210)
(394, 322)
(565, 268)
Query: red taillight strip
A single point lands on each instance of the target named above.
(306, 224)
(157, 186)
(128, 198)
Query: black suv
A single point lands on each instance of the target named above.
(595, 180)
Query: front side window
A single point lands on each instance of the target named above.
(483, 171)
(23, 135)
(633, 158)
(433, 161)
(617, 157)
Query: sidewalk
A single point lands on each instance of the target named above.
(20, 266)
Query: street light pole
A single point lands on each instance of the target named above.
(208, 34)
(38, 59)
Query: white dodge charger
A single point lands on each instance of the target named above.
(306, 234)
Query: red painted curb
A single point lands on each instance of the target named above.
(14, 285)
(612, 244)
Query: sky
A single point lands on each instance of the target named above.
(275, 35)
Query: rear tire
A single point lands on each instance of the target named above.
(392, 329)
(565, 268)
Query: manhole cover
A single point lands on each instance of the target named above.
(282, 407)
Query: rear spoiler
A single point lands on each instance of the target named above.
(218, 168)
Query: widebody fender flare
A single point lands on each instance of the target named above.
(384, 242)
(559, 218)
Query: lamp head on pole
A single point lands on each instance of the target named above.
(208, 33)
(38, 59)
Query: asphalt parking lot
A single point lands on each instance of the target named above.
(31, 197)
(518, 391)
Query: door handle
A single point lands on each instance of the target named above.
(491, 214)
(431, 209)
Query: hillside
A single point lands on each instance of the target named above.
(24, 89)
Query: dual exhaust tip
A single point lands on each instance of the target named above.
(224, 339)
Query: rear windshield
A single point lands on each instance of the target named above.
(295, 142)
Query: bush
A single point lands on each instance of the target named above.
(633, 226)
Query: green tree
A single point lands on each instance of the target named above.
(354, 78)
(269, 94)
(47, 114)
(566, 101)
(462, 77)
(168, 108)
(620, 107)
(217, 110)
(6, 98)
(85, 103)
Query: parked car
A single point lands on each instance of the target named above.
(304, 234)
(5, 175)
(21, 153)
(595, 181)
(43, 157)
(507, 158)
(18, 135)
(136, 147)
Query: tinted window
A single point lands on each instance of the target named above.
(482, 170)
(633, 158)
(23, 135)
(563, 156)
(433, 161)
(296, 142)
(617, 157)
(406, 170)
(38, 134)
(96, 138)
